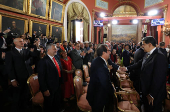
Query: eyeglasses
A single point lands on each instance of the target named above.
(109, 50)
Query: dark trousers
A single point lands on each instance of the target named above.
(20, 97)
(100, 107)
(53, 102)
(157, 106)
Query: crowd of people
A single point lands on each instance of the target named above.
(56, 62)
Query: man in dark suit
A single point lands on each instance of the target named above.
(162, 48)
(100, 90)
(133, 47)
(139, 54)
(126, 56)
(77, 56)
(50, 79)
(135, 74)
(18, 74)
(154, 68)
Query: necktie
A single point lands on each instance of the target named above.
(21, 52)
(145, 58)
(57, 66)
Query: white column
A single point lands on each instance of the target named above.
(165, 17)
(92, 27)
(139, 32)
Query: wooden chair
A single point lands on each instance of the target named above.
(127, 85)
(124, 83)
(123, 106)
(167, 101)
(37, 96)
(82, 103)
(79, 73)
(86, 73)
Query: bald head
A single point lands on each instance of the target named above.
(18, 43)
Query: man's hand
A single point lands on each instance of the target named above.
(6, 31)
(15, 83)
(121, 72)
(110, 67)
(150, 99)
(47, 93)
(31, 49)
(3, 55)
(89, 51)
(71, 71)
(82, 53)
(123, 69)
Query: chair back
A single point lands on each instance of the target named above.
(33, 84)
(86, 71)
(79, 73)
(78, 84)
(168, 91)
(116, 81)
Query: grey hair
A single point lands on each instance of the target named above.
(15, 40)
(49, 46)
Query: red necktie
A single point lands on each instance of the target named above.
(57, 66)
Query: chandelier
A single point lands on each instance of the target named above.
(167, 29)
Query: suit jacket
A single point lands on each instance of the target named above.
(16, 64)
(76, 59)
(133, 48)
(153, 75)
(100, 90)
(163, 51)
(138, 55)
(110, 62)
(126, 58)
(48, 74)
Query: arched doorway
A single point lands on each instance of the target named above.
(66, 19)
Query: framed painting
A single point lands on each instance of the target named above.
(38, 8)
(149, 3)
(38, 27)
(14, 5)
(57, 32)
(56, 12)
(124, 33)
(17, 25)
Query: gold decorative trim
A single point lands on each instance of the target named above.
(42, 17)
(1, 23)
(50, 10)
(24, 11)
(39, 22)
(100, 11)
(51, 26)
(152, 4)
(133, 3)
(15, 17)
(102, 7)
